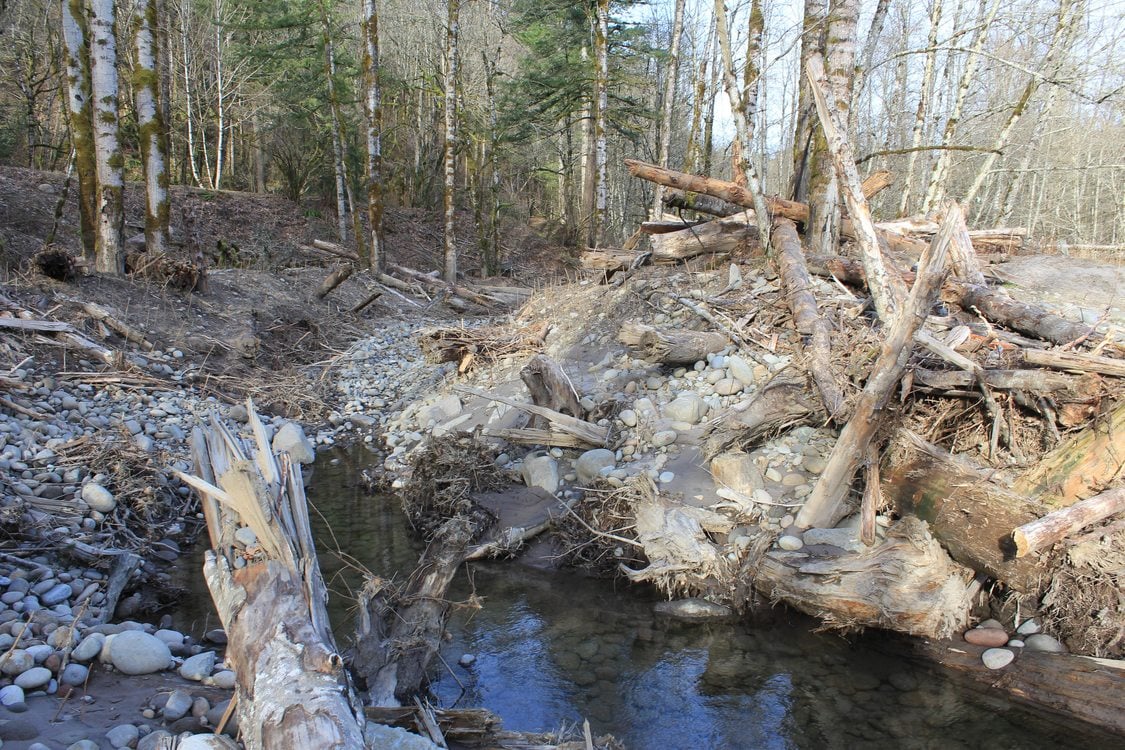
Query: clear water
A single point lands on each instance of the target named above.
(555, 647)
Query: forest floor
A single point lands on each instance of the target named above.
(70, 421)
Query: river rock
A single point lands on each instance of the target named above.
(692, 609)
(386, 738)
(1044, 642)
(590, 464)
(990, 623)
(83, 745)
(36, 677)
(74, 675)
(738, 471)
(989, 637)
(123, 735)
(291, 439)
(57, 594)
(541, 471)
(664, 438)
(198, 666)
(98, 497)
(1029, 627)
(215, 742)
(18, 661)
(790, 542)
(728, 386)
(88, 647)
(156, 740)
(628, 418)
(12, 698)
(997, 658)
(177, 706)
(740, 370)
(134, 652)
(224, 679)
(687, 407)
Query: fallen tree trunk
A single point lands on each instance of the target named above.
(806, 316)
(588, 432)
(670, 346)
(606, 260)
(826, 503)
(969, 513)
(906, 583)
(724, 235)
(1073, 362)
(291, 688)
(339, 275)
(1072, 687)
(1033, 381)
(456, 290)
(1028, 319)
(550, 387)
(1059, 524)
(1082, 465)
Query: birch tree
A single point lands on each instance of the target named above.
(601, 105)
(452, 42)
(805, 142)
(373, 111)
(108, 157)
(671, 75)
(923, 105)
(79, 118)
(150, 125)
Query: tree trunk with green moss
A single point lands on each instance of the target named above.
(108, 158)
(150, 124)
(75, 36)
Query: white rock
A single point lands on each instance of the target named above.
(380, 736)
(740, 370)
(664, 437)
(728, 387)
(88, 647)
(790, 542)
(207, 742)
(628, 418)
(224, 679)
(590, 464)
(997, 658)
(1044, 642)
(666, 477)
(541, 471)
(134, 652)
(738, 471)
(688, 407)
(291, 439)
(1029, 627)
(245, 536)
(98, 497)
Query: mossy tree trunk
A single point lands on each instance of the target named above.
(108, 158)
(75, 39)
(150, 124)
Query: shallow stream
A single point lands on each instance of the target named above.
(554, 647)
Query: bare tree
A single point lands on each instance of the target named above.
(373, 111)
(150, 124)
(79, 119)
(601, 105)
(452, 52)
(108, 158)
(671, 76)
(923, 105)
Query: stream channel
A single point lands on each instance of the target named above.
(554, 647)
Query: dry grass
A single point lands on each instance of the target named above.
(446, 473)
(1085, 604)
(587, 534)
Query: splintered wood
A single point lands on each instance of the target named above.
(470, 346)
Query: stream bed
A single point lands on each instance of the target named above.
(554, 647)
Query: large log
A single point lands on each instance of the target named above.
(550, 387)
(291, 689)
(671, 346)
(1075, 362)
(806, 316)
(700, 203)
(1071, 687)
(826, 503)
(1059, 524)
(1026, 318)
(968, 511)
(906, 583)
(724, 235)
(1082, 465)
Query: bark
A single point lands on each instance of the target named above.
(923, 106)
(292, 690)
(726, 235)
(1032, 381)
(1082, 465)
(1075, 362)
(906, 583)
(806, 316)
(784, 402)
(108, 157)
(671, 346)
(601, 106)
(935, 189)
(1025, 318)
(970, 513)
(886, 289)
(1057, 525)
(671, 77)
(452, 55)
(338, 276)
(549, 386)
(79, 120)
(151, 126)
(813, 28)
(826, 504)
(700, 203)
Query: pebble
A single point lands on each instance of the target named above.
(1044, 642)
(198, 667)
(467, 660)
(790, 542)
(177, 706)
(34, 678)
(664, 438)
(628, 418)
(12, 698)
(224, 679)
(1029, 627)
(74, 675)
(98, 497)
(989, 637)
(123, 735)
(88, 648)
(666, 477)
(997, 658)
(591, 464)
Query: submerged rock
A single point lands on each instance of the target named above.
(693, 609)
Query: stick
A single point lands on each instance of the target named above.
(1057, 525)
(367, 301)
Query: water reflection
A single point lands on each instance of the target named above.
(558, 647)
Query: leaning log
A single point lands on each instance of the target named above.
(1059, 524)
(806, 315)
(339, 275)
(970, 513)
(550, 387)
(724, 235)
(291, 689)
(826, 503)
(670, 346)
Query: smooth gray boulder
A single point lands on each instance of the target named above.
(291, 438)
(134, 652)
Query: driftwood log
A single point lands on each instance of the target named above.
(550, 387)
(723, 235)
(1084, 464)
(782, 403)
(971, 514)
(339, 275)
(292, 690)
(671, 346)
